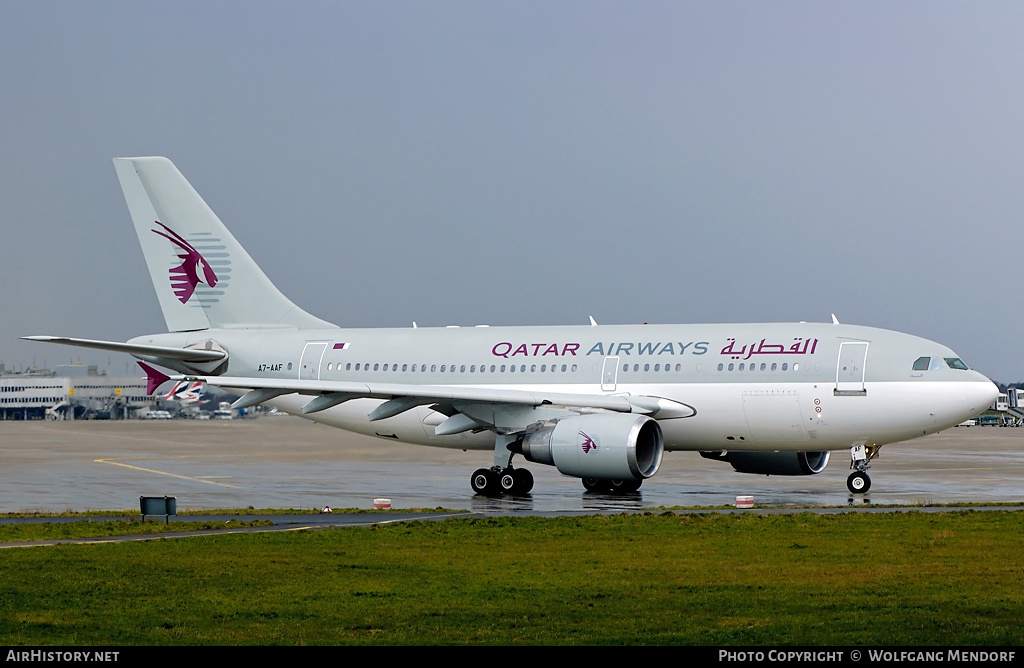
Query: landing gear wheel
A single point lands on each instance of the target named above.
(858, 482)
(523, 482)
(485, 482)
(595, 485)
(507, 481)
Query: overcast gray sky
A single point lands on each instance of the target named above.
(528, 162)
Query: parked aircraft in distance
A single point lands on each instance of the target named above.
(185, 392)
(599, 402)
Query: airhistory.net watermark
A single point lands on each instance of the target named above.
(57, 656)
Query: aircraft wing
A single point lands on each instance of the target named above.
(468, 399)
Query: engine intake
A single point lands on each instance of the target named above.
(612, 446)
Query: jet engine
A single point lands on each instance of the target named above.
(607, 446)
(772, 463)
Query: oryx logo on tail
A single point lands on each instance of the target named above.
(185, 277)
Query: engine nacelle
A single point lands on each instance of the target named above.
(608, 446)
(773, 463)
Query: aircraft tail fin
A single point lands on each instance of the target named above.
(202, 275)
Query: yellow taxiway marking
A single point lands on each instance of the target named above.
(173, 475)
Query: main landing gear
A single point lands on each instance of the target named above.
(496, 481)
(860, 456)
(502, 478)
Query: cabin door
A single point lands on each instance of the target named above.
(309, 365)
(609, 374)
(853, 357)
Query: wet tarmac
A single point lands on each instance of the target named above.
(286, 462)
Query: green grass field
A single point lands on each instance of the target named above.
(14, 533)
(951, 578)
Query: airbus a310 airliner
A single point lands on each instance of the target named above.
(599, 402)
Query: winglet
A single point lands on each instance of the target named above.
(154, 378)
(835, 320)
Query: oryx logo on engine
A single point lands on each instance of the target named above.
(588, 444)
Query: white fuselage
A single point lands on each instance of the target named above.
(791, 386)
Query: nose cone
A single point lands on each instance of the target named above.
(980, 394)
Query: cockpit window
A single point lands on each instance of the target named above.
(933, 363)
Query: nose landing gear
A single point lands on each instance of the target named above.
(861, 456)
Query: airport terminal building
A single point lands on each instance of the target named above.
(71, 392)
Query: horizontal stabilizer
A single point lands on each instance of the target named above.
(139, 350)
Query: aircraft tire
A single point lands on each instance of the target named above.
(596, 485)
(485, 483)
(523, 482)
(858, 482)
